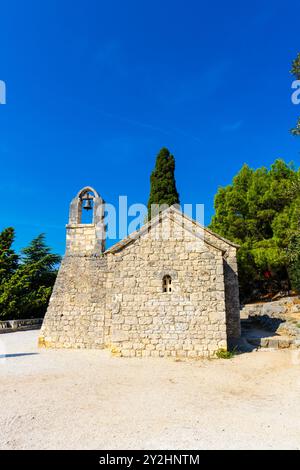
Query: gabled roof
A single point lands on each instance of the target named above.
(170, 212)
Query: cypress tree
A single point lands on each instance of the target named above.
(162, 181)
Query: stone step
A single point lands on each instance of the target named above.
(276, 342)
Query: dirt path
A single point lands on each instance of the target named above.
(87, 399)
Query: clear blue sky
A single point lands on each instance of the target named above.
(96, 88)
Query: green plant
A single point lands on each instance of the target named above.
(225, 354)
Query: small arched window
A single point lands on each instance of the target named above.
(167, 284)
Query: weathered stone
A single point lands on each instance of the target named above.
(116, 298)
(284, 343)
(264, 342)
(273, 342)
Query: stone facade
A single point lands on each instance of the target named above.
(115, 299)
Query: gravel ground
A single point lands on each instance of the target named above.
(80, 399)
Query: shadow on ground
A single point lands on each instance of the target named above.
(4, 356)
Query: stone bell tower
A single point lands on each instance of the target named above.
(86, 239)
(76, 310)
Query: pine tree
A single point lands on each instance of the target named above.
(293, 252)
(260, 212)
(37, 256)
(8, 257)
(296, 130)
(38, 251)
(25, 294)
(296, 67)
(163, 186)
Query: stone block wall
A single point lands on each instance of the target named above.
(142, 320)
(83, 239)
(232, 300)
(116, 299)
(75, 315)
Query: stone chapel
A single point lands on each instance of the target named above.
(168, 289)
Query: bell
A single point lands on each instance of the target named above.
(88, 204)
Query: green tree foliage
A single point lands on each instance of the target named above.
(25, 282)
(163, 186)
(8, 258)
(296, 67)
(293, 250)
(296, 130)
(296, 72)
(294, 261)
(260, 211)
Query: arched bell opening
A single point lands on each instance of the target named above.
(87, 207)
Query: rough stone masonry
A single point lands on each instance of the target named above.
(169, 289)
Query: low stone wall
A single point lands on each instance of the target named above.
(280, 319)
(9, 326)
